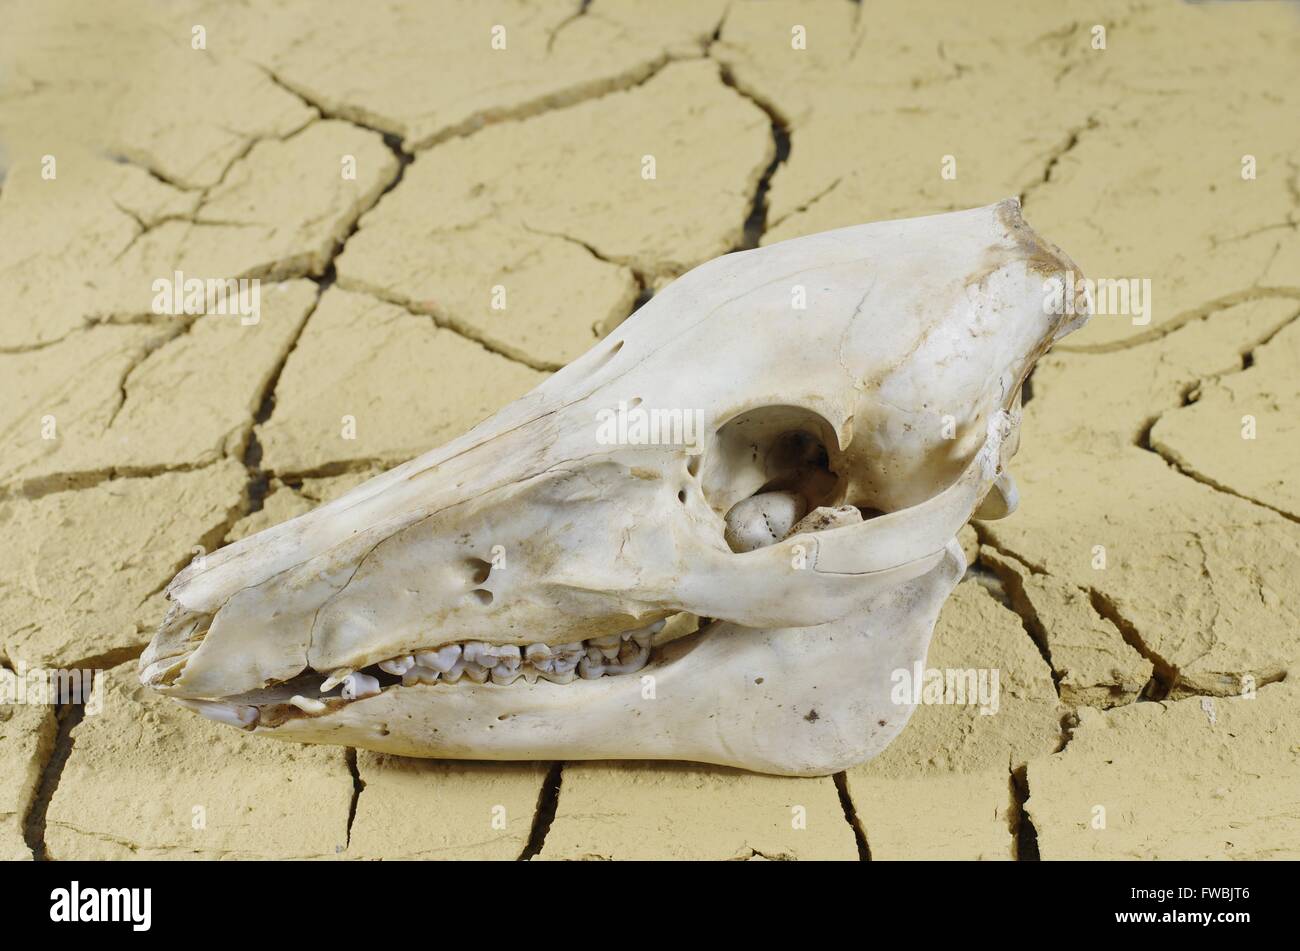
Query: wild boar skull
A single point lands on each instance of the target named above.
(783, 443)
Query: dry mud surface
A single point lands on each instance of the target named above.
(1142, 607)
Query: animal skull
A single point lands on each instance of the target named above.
(529, 590)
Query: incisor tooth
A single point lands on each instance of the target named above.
(228, 713)
(334, 679)
(307, 705)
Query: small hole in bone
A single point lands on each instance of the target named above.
(681, 496)
(482, 596)
(478, 570)
(634, 402)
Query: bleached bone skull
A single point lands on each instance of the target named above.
(527, 591)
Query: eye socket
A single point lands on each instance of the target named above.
(770, 449)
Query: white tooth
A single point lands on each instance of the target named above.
(594, 655)
(546, 664)
(334, 679)
(442, 659)
(559, 677)
(529, 673)
(589, 669)
(632, 661)
(476, 672)
(567, 663)
(307, 705)
(537, 652)
(397, 665)
(228, 713)
(610, 653)
(453, 673)
(609, 640)
(419, 675)
(504, 676)
(360, 686)
(480, 652)
(509, 654)
(644, 635)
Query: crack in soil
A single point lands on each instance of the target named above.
(34, 825)
(358, 785)
(1024, 837)
(1055, 156)
(851, 816)
(756, 222)
(548, 801)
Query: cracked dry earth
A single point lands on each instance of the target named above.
(1142, 607)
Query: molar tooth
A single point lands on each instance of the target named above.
(644, 635)
(360, 686)
(559, 677)
(529, 673)
(453, 673)
(610, 653)
(504, 675)
(441, 660)
(589, 669)
(631, 660)
(537, 652)
(335, 678)
(397, 665)
(476, 672)
(633, 657)
(566, 663)
(481, 652)
(420, 675)
(509, 655)
(609, 640)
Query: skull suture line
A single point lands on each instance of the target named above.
(505, 596)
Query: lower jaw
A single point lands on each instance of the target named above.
(312, 694)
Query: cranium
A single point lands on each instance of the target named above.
(528, 590)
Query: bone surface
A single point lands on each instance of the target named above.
(785, 441)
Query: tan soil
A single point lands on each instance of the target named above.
(1142, 608)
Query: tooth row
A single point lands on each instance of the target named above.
(503, 664)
